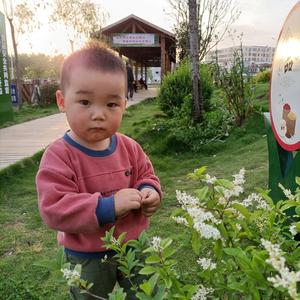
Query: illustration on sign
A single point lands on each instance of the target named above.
(285, 87)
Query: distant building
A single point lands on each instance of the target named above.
(256, 58)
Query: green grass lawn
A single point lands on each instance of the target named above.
(25, 241)
(29, 112)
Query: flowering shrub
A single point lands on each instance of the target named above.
(245, 246)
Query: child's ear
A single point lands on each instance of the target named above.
(60, 101)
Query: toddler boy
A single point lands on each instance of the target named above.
(93, 177)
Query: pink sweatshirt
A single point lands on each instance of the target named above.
(76, 186)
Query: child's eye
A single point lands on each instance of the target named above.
(112, 104)
(84, 102)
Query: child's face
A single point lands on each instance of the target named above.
(94, 103)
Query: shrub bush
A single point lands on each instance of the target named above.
(263, 76)
(178, 85)
(48, 92)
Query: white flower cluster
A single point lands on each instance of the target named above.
(199, 216)
(286, 278)
(286, 192)
(71, 274)
(180, 220)
(202, 293)
(186, 200)
(206, 263)
(256, 201)
(155, 243)
(293, 230)
(114, 241)
(209, 179)
(237, 190)
(239, 179)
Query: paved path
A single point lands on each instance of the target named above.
(25, 139)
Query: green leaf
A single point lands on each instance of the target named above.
(297, 209)
(166, 243)
(196, 242)
(148, 270)
(239, 255)
(60, 257)
(152, 259)
(197, 174)
(202, 193)
(297, 179)
(223, 230)
(121, 238)
(225, 183)
(242, 209)
(288, 204)
(218, 248)
(161, 294)
(168, 252)
(149, 285)
(256, 276)
(237, 286)
(146, 288)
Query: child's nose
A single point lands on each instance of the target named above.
(98, 113)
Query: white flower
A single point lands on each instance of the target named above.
(256, 201)
(186, 200)
(293, 229)
(71, 274)
(239, 178)
(206, 264)
(237, 190)
(199, 216)
(209, 179)
(180, 220)
(238, 227)
(155, 243)
(286, 278)
(114, 241)
(207, 231)
(202, 293)
(286, 192)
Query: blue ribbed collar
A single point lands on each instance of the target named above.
(95, 153)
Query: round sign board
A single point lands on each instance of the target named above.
(285, 84)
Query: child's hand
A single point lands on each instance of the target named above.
(127, 200)
(150, 201)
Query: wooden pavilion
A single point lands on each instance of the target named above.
(143, 43)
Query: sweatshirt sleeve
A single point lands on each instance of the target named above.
(62, 206)
(146, 176)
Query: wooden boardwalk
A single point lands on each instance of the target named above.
(24, 140)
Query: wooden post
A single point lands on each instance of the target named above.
(162, 56)
(136, 70)
(142, 69)
(146, 74)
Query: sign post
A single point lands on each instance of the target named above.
(283, 122)
(6, 112)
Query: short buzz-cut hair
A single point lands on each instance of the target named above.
(94, 56)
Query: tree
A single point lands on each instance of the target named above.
(80, 17)
(21, 20)
(194, 52)
(214, 19)
(236, 87)
(35, 66)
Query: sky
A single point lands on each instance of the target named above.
(260, 21)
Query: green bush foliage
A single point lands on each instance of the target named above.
(178, 85)
(48, 92)
(263, 76)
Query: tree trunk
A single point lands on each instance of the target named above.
(17, 64)
(194, 52)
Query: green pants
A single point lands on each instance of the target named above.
(104, 275)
